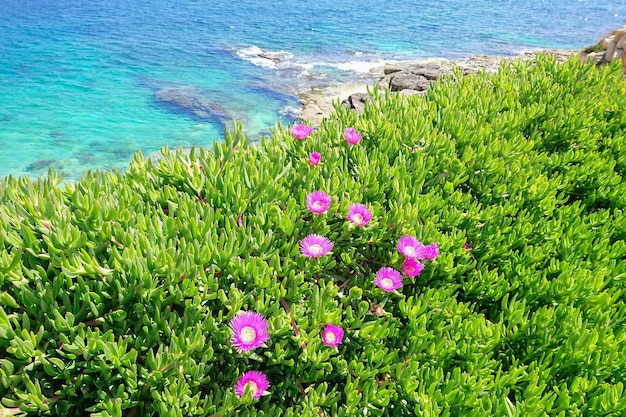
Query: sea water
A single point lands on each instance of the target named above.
(84, 84)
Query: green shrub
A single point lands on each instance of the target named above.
(116, 292)
(598, 47)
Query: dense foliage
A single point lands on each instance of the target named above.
(117, 292)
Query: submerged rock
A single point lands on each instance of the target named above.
(190, 100)
(40, 164)
(86, 157)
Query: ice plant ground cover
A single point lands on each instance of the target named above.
(118, 292)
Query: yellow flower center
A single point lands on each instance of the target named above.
(330, 337)
(248, 334)
(387, 283)
(409, 251)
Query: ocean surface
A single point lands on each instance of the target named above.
(84, 84)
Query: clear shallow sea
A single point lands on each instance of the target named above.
(86, 83)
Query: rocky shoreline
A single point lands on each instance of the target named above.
(412, 77)
(404, 77)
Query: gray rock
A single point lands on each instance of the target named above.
(415, 75)
(423, 65)
(191, 101)
(392, 70)
(429, 72)
(357, 101)
(408, 78)
(610, 51)
(385, 81)
(269, 56)
(408, 81)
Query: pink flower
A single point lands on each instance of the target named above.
(410, 247)
(315, 246)
(249, 331)
(333, 335)
(467, 246)
(359, 214)
(352, 136)
(315, 158)
(414, 249)
(301, 131)
(256, 380)
(411, 268)
(430, 252)
(388, 279)
(318, 202)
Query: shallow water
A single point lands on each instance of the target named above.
(82, 81)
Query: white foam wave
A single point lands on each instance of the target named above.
(355, 66)
(290, 111)
(263, 58)
(285, 64)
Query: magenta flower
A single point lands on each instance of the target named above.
(359, 214)
(315, 158)
(414, 249)
(352, 136)
(467, 246)
(318, 202)
(411, 268)
(301, 131)
(388, 279)
(333, 335)
(410, 247)
(256, 380)
(314, 246)
(249, 331)
(429, 252)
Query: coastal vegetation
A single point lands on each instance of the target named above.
(459, 253)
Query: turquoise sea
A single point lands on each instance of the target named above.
(86, 83)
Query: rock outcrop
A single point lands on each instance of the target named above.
(415, 77)
(610, 47)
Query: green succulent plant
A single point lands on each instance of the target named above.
(117, 292)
